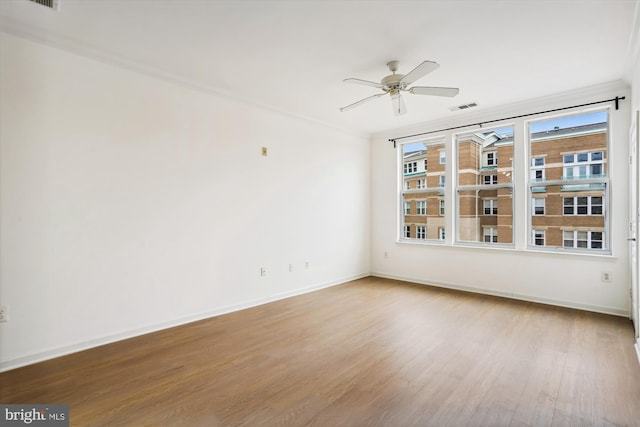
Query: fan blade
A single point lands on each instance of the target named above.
(419, 72)
(364, 82)
(362, 101)
(435, 91)
(398, 104)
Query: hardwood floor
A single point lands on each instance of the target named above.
(372, 352)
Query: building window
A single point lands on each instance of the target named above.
(537, 169)
(490, 179)
(490, 206)
(538, 237)
(421, 183)
(582, 205)
(491, 158)
(568, 158)
(443, 157)
(421, 232)
(490, 234)
(421, 207)
(440, 233)
(441, 181)
(583, 239)
(425, 165)
(407, 208)
(441, 207)
(480, 196)
(537, 206)
(410, 167)
(407, 231)
(407, 185)
(583, 165)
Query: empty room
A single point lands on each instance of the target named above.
(319, 213)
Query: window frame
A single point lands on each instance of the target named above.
(522, 186)
(432, 190)
(567, 184)
(480, 186)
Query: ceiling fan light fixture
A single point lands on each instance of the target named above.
(398, 103)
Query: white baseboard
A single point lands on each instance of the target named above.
(87, 344)
(512, 295)
(637, 346)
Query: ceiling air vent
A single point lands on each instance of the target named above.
(51, 4)
(464, 106)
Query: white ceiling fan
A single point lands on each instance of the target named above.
(394, 83)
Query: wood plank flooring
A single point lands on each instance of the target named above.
(372, 352)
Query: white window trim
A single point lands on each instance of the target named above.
(578, 181)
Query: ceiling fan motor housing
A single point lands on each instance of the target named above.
(393, 81)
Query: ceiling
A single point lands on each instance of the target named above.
(293, 55)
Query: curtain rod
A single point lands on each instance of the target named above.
(617, 99)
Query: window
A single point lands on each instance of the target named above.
(410, 167)
(538, 237)
(485, 201)
(490, 206)
(490, 234)
(537, 169)
(583, 239)
(582, 205)
(583, 165)
(491, 158)
(537, 206)
(568, 158)
(563, 189)
(490, 179)
(425, 193)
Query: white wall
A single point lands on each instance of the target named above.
(634, 68)
(129, 203)
(563, 279)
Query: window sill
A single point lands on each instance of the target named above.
(505, 248)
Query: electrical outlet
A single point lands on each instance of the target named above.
(263, 271)
(4, 313)
(605, 276)
(386, 254)
(307, 264)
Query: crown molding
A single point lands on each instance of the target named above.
(77, 47)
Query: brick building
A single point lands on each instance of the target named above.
(567, 189)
